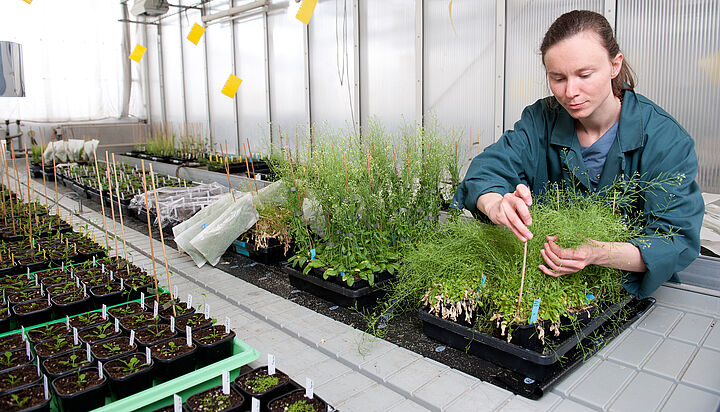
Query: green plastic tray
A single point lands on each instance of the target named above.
(187, 385)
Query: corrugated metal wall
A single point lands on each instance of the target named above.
(673, 45)
(674, 48)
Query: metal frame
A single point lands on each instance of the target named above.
(356, 68)
(268, 96)
(306, 67)
(236, 101)
(146, 64)
(182, 65)
(500, 33)
(161, 74)
(419, 54)
(207, 83)
(610, 12)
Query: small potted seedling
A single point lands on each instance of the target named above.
(25, 295)
(112, 349)
(67, 363)
(174, 357)
(137, 321)
(259, 384)
(55, 346)
(32, 312)
(196, 321)
(214, 343)
(154, 334)
(81, 391)
(119, 312)
(46, 332)
(296, 401)
(87, 320)
(11, 342)
(214, 399)
(31, 398)
(98, 333)
(110, 294)
(18, 378)
(129, 374)
(15, 358)
(71, 303)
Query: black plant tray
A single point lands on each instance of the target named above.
(275, 252)
(527, 372)
(362, 296)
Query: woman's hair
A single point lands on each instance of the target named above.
(578, 21)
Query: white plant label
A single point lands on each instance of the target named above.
(255, 405)
(38, 366)
(94, 263)
(75, 336)
(227, 324)
(117, 325)
(271, 364)
(142, 298)
(45, 387)
(309, 388)
(177, 403)
(188, 335)
(103, 268)
(147, 355)
(207, 311)
(87, 352)
(36, 283)
(226, 382)
(155, 309)
(175, 292)
(22, 332)
(104, 311)
(77, 282)
(49, 301)
(27, 348)
(100, 370)
(112, 277)
(132, 337)
(84, 289)
(122, 283)
(189, 300)
(172, 323)
(28, 273)
(67, 322)
(62, 266)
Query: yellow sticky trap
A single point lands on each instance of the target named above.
(196, 33)
(28, 1)
(306, 11)
(231, 86)
(138, 53)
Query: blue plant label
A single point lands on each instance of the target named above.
(342, 274)
(312, 254)
(203, 226)
(535, 309)
(483, 281)
(242, 244)
(590, 297)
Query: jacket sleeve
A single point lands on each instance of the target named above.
(674, 212)
(504, 164)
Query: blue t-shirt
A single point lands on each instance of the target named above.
(594, 156)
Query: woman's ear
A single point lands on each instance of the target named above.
(616, 65)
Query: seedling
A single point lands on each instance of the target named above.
(112, 348)
(262, 383)
(18, 401)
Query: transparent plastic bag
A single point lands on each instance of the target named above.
(178, 204)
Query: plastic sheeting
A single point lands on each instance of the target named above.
(207, 235)
(67, 151)
(178, 204)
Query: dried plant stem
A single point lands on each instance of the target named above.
(27, 171)
(122, 224)
(57, 201)
(522, 279)
(152, 249)
(162, 237)
(112, 206)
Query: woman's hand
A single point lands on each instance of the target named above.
(510, 210)
(562, 261)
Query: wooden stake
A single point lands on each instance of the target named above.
(42, 164)
(30, 223)
(347, 189)
(251, 162)
(522, 281)
(227, 172)
(12, 208)
(57, 201)
(17, 176)
(112, 206)
(247, 171)
(152, 249)
(162, 237)
(122, 225)
(2, 191)
(102, 201)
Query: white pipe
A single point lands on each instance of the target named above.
(234, 10)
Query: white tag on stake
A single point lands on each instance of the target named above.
(188, 335)
(309, 388)
(67, 322)
(271, 364)
(226, 382)
(87, 352)
(100, 370)
(189, 300)
(172, 323)
(147, 355)
(177, 403)
(117, 325)
(37, 362)
(104, 311)
(207, 311)
(132, 337)
(45, 387)
(27, 349)
(155, 309)
(75, 336)
(227, 324)
(175, 292)
(22, 332)
(142, 299)
(255, 405)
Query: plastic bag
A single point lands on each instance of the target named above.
(215, 239)
(67, 151)
(178, 204)
(186, 232)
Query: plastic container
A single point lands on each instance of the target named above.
(37, 391)
(176, 366)
(360, 294)
(235, 394)
(84, 400)
(268, 395)
(127, 385)
(275, 252)
(33, 318)
(31, 370)
(275, 403)
(213, 352)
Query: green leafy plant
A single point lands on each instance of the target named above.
(81, 380)
(101, 332)
(214, 335)
(262, 383)
(7, 359)
(73, 361)
(112, 348)
(171, 348)
(18, 401)
(299, 406)
(129, 366)
(12, 380)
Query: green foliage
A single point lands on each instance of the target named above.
(262, 383)
(7, 359)
(365, 199)
(18, 401)
(130, 366)
(112, 348)
(299, 406)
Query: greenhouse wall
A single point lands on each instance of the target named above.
(471, 68)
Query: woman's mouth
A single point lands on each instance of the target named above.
(576, 106)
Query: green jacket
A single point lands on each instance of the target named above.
(544, 148)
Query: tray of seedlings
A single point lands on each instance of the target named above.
(480, 290)
(357, 206)
(163, 146)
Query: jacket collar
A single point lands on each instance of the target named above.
(630, 129)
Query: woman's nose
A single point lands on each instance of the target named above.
(571, 87)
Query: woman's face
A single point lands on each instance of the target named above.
(580, 74)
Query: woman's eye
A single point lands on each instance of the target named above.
(585, 75)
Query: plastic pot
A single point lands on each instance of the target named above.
(89, 398)
(283, 401)
(38, 403)
(127, 385)
(214, 351)
(284, 386)
(178, 365)
(35, 317)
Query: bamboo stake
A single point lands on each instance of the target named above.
(102, 202)
(152, 249)
(227, 172)
(17, 175)
(57, 201)
(42, 164)
(247, 171)
(522, 280)
(162, 238)
(112, 206)
(2, 191)
(30, 224)
(251, 162)
(347, 189)
(122, 225)
(12, 208)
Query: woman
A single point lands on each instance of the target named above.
(593, 129)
